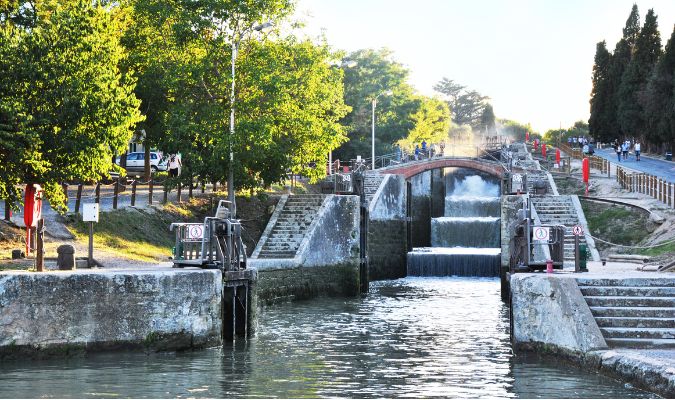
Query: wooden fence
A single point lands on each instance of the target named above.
(598, 163)
(640, 182)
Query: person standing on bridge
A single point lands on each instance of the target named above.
(417, 152)
(424, 148)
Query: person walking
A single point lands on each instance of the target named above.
(624, 148)
(417, 152)
(618, 152)
(174, 165)
(637, 150)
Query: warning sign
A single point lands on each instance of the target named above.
(196, 232)
(541, 233)
(578, 230)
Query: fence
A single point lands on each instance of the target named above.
(640, 182)
(120, 187)
(595, 162)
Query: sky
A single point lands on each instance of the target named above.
(533, 58)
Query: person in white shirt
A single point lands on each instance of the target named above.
(637, 151)
(174, 165)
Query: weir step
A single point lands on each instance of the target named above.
(648, 291)
(638, 333)
(630, 301)
(641, 312)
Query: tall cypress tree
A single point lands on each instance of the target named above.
(617, 66)
(599, 124)
(634, 80)
(632, 29)
(658, 99)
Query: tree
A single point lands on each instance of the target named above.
(617, 66)
(517, 130)
(600, 125)
(658, 98)
(631, 30)
(431, 123)
(467, 106)
(368, 74)
(66, 106)
(487, 119)
(646, 53)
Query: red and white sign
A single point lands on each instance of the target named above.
(195, 232)
(541, 233)
(578, 230)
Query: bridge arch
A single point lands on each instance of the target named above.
(408, 170)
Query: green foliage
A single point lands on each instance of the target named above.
(467, 106)
(66, 106)
(517, 130)
(369, 74)
(431, 124)
(487, 119)
(646, 53)
(658, 99)
(600, 127)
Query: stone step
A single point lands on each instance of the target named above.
(635, 322)
(654, 282)
(633, 312)
(649, 291)
(641, 343)
(621, 301)
(638, 333)
(271, 254)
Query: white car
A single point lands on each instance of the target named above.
(136, 162)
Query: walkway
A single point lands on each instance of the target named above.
(653, 166)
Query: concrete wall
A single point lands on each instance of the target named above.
(327, 262)
(62, 312)
(387, 230)
(421, 209)
(509, 219)
(549, 310)
(438, 193)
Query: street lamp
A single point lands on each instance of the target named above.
(386, 93)
(236, 37)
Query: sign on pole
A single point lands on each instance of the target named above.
(578, 230)
(541, 233)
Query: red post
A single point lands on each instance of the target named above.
(527, 137)
(557, 157)
(585, 172)
(543, 150)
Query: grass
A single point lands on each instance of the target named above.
(615, 224)
(138, 234)
(657, 251)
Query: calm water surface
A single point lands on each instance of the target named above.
(414, 337)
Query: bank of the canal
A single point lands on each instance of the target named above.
(412, 337)
(551, 315)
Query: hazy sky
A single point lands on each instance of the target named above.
(534, 58)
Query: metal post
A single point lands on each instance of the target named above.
(40, 248)
(230, 172)
(98, 192)
(179, 191)
(577, 266)
(152, 184)
(8, 211)
(372, 150)
(90, 257)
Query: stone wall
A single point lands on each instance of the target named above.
(63, 312)
(421, 210)
(549, 310)
(327, 262)
(509, 219)
(387, 230)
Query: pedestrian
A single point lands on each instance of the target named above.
(174, 165)
(442, 145)
(417, 152)
(424, 148)
(637, 150)
(618, 152)
(625, 149)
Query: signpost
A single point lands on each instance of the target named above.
(541, 233)
(90, 214)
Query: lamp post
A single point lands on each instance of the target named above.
(236, 37)
(386, 93)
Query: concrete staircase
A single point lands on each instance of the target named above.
(633, 312)
(559, 210)
(535, 175)
(291, 226)
(371, 183)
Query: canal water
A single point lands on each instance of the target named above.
(413, 337)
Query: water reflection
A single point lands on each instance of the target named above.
(415, 337)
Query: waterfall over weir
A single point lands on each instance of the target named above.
(466, 240)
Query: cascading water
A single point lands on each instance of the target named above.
(466, 240)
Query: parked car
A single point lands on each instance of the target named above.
(136, 162)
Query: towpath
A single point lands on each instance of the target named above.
(650, 165)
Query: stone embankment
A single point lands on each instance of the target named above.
(61, 312)
(614, 320)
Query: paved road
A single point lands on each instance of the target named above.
(661, 168)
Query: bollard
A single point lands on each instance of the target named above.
(98, 193)
(116, 191)
(150, 191)
(8, 211)
(78, 199)
(549, 266)
(133, 193)
(66, 257)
